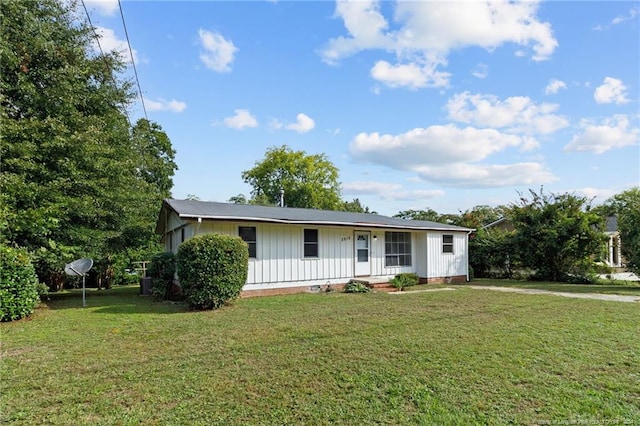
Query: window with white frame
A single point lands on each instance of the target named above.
(397, 249)
(248, 235)
(447, 243)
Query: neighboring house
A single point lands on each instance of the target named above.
(502, 224)
(297, 249)
(613, 258)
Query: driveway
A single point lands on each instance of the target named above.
(596, 296)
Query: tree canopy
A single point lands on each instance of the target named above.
(556, 234)
(77, 179)
(308, 180)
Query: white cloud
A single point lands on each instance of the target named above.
(104, 7)
(164, 105)
(109, 42)
(418, 194)
(412, 75)
(613, 132)
(219, 53)
(486, 175)
(612, 90)
(241, 119)
(480, 71)
(369, 188)
(365, 25)
(554, 86)
(515, 114)
(303, 124)
(433, 145)
(426, 32)
(633, 12)
(622, 18)
(597, 193)
(389, 191)
(450, 155)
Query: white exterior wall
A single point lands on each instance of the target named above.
(441, 264)
(279, 252)
(173, 236)
(280, 261)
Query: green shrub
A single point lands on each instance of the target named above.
(18, 284)
(403, 280)
(356, 287)
(212, 269)
(161, 271)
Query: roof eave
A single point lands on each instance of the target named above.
(319, 222)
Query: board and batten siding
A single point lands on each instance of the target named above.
(280, 252)
(441, 264)
(280, 255)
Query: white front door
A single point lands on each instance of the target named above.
(362, 257)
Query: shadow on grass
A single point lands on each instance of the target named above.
(117, 300)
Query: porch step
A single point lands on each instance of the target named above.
(376, 284)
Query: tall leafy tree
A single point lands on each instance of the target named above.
(555, 234)
(72, 169)
(308, 180)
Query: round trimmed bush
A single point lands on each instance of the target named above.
(212, 269)
(18, 284)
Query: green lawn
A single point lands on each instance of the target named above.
(449, 357)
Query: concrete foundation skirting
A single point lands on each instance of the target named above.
(374, 283)
(290, 290)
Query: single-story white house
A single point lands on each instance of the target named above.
(294, 249)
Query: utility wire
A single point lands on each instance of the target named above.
(135, 71)
(95, 35)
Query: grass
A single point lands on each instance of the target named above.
(451, 357)
(631, 288)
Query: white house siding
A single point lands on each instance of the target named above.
(280, 261)
(446, 264)
(173, 236)
(279, 252)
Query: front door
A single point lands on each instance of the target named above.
(362, 257)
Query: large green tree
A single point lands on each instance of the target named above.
(308, 180)
(74, 174)
(555, 234)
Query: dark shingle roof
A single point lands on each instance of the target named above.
(611, 224)
(245, 212)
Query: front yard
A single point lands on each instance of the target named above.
(446, 357)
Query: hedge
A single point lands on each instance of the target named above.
(212, 269)
(18, 284)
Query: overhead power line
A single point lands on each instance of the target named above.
(97, 37)
(135, 71)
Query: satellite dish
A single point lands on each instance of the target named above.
(79, 268)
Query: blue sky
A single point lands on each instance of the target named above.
(445, 105)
